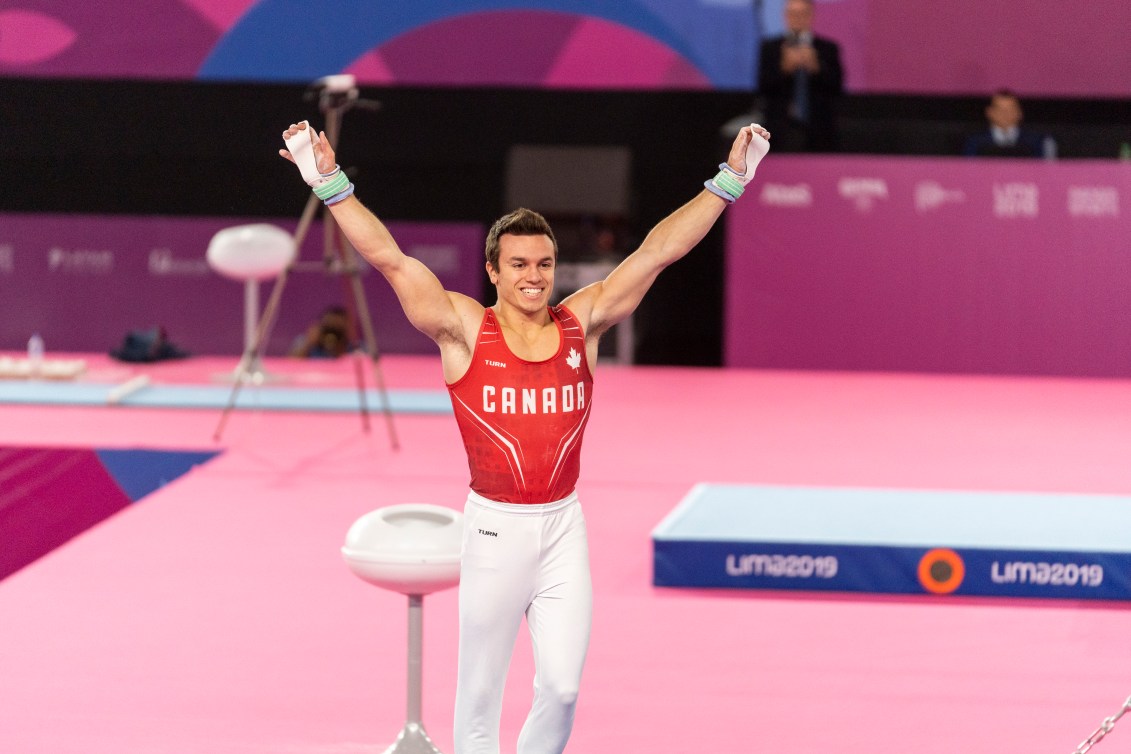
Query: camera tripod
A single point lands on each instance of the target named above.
(336, 95)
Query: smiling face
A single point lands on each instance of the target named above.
(524, 278)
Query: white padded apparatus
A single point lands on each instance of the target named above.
(302, 150)
(259, 251)
(412, 548)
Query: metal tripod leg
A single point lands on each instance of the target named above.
(254, 353)
(345, 263)
(348, 258)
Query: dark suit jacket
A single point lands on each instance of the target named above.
(825, 89)
(1029, 144)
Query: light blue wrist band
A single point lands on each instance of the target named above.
(339, 197)
(709, 184)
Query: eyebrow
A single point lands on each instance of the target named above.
(520, 258)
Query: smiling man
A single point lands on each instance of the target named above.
(520, 377)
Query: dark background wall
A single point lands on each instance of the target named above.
(189, 148)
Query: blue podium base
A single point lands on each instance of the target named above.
(991, 544)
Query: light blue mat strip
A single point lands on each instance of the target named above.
(975, 543)
(897, 517)
(65, 394)
(217, 397)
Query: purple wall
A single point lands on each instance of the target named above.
(938, 265)
(83, 281)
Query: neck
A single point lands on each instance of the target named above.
(520, 319)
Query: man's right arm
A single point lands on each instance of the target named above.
(443, 316)
(429, 307)
(449, 318)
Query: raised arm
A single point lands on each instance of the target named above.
(439, 314)
(603, 304)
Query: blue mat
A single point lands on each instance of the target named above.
(142, 471)
(54, 494)
(217, 397)
(897, 542)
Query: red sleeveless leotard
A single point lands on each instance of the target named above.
(522, 421)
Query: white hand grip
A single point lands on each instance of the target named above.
(303, 151)
(755, 151)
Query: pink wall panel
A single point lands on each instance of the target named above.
(940, 265)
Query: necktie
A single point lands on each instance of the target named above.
(800, 87)
(801, 94)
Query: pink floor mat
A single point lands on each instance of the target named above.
(217, 615)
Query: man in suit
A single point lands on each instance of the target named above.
(800, 78)
(1005, 137)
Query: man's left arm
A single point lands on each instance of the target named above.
(604, 304)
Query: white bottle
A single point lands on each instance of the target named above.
(36, 349)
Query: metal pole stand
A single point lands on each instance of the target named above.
(413, 739)
(412, 549)
(250, 367)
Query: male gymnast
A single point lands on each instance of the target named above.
(521, 382)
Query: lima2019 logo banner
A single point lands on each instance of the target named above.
(657, 44)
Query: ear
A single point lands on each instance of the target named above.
(491, 274)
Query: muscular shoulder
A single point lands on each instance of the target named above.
(464, 328)
(580, 304)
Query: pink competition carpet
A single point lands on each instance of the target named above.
(216, 614)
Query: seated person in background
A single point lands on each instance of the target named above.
(1005, 137)
(326, 339)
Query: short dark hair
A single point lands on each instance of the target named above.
(520, 222)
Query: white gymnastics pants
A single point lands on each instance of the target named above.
(532, 560)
